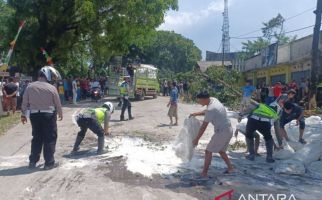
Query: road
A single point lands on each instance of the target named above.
(117, 176)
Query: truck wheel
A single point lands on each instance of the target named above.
(141, 97)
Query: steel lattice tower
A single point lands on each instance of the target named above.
(225, 31)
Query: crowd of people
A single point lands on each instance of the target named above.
(12, 91)
(74, 89)
(182, 87)
(268, 93)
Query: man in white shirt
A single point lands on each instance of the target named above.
(74, 87)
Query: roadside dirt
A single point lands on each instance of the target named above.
(87, 176)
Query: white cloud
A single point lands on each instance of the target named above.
(180, 20)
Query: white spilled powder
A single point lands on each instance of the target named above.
(146, 158)
(73, 164)
(13, 161)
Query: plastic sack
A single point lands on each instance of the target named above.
(183, 146)
(309, 153)
(285, 153)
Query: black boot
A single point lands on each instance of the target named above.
(269, 151)
(251, 149)
(100, 145)
(129, 110)
(78, 141)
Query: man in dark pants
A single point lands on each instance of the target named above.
(92, 118)
(125, 89)
(260, 118)
(292, 112)
(41, 101)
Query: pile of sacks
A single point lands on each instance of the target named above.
(183, 146)
(298, 159)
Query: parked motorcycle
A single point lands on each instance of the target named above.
(96, 94)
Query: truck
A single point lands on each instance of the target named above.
(144, 82)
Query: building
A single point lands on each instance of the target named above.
(216, 60)
(284, 63)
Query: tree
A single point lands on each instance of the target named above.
(95, 28)
(273, 31)
(171, 51)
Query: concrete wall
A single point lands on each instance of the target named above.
(253, 63)
(283, 54)
(301, 49)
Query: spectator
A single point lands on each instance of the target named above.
(248, 91)
(165, 88)
(258, 93)
(264, 92)
(270, 98)
(277, 90)
(293, 85)
(61, 91)
(173, 104)
(78, 89)
(66, 92)
(70, 89)
(9, 92)
(185, 87)
(303, 86)
(102, 83)
(74, 89)
(83, 88)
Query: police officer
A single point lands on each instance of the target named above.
(124, 90)
(91, 118)
(41, 102)
(260, 118)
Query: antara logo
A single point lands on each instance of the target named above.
(267, 197)
(228, 194)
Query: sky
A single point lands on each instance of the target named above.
(201, 20)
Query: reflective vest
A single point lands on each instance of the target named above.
(123, 88)
(99, 113)
(265, 111)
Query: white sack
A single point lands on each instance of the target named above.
(285, 153)
(309, 153)
(183, 145)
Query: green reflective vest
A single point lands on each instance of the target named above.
(265, 111)
(123, 88)
(99, 113)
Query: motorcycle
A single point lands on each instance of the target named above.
(96, 94)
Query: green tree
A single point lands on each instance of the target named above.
(273, 31)
(171, 51)
(97, 29)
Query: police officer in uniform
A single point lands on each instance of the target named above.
(260, 118)
(91, 118)
(42, 103)
(125, 89)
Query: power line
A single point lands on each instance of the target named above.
(255, 37)
(305, 11)
(286, 19)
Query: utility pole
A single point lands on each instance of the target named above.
(316, 71)
(225, 34)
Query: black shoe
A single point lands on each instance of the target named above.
(131, 118)
(32, 165)
(122, 119)
(49, 167)
(302, 141)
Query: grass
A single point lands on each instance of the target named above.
(237, 145)
(7, 122)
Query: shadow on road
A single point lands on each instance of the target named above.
(23, 170)
(80, 154)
